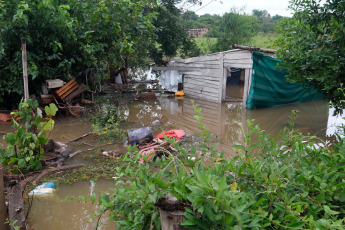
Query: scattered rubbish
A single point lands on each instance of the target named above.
(44, 189)
(139, 135)
(191, 158)
(56, 83)
(5, 117)
(67, 96)
(155, 123)
(157, 147)
(62, 149)
(177, 134)
(109, 153)
(179, 93)
(148, 96)
(47, 99)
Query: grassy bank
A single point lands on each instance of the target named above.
(260, 40)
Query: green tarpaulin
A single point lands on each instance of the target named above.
(269, 86)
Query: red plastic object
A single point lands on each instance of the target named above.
(177, 134)
(147, 152)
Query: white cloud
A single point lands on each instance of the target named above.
(222, 6)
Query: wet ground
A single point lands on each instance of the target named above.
(226, 121)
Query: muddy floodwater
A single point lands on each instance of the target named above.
(226, 121)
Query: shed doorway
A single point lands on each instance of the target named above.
(234, 84)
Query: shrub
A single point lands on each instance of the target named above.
(106, 122)
(24, 149)
(286, 183)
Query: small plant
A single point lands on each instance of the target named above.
(106, 122)
(286, 183)
(24, 147)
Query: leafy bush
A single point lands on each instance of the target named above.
(24, 149)
(106, 122)
(286, 183)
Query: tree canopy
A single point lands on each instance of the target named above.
(313, 47)
(236, 28)
(83, 39)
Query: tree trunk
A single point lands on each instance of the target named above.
(16, 206)
(171, 220)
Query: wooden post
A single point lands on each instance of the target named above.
(25, 77)
(25, 71)
(221, 77)
(3, 208)
(16, 206)
(172, 219)
(246, 86)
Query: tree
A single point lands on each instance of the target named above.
(235, 28)
(172, 37)
(313, 47)
(70, 38)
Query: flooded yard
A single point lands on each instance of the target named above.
(225, 120)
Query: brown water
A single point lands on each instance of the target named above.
(226, 121)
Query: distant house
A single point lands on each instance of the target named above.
(197, 33)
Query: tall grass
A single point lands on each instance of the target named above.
(260, 40)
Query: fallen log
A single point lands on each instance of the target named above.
(252, 48)
(79, 138)
(3, 208)
(75, 153)
(16, 207)
(54, 170)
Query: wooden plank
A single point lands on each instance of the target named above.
(212, 62)
(63, 87)
(250, 80)
(242, 66)
(200, 88)
(66, 87)
(239, 61)
(77, 92)
(202, 82)
(203, 65)
(224, 83)
(69, 91)
(201, 94)
(238, 55)
(25, 71)
(200, 78)
(246, 84)
(202, 58)
(201, 97)
(221, 72)
(216, 74)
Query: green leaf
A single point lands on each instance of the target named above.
(329, 211)
(22, 163)
(11, 139)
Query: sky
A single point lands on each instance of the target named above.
(222, 6)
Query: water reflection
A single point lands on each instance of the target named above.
(50, 212)
(228, 120)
